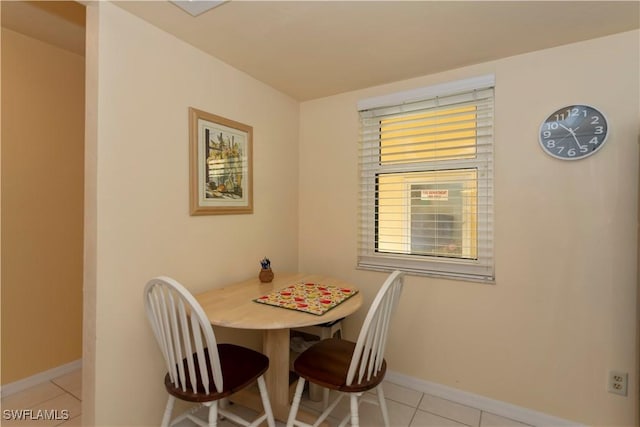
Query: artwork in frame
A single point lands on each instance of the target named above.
(220, 165)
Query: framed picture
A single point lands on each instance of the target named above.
(220, 163)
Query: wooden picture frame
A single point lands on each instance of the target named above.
(220, 164)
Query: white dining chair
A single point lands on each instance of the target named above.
(351, 368)
(198, 369)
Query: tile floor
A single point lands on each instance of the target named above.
(407, 408)
(60, 397)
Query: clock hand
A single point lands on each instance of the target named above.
(573, 134)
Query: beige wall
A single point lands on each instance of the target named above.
(42, 206)
(560, 315)
(138, 218)
(563, 309)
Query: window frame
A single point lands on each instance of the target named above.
(369, 256)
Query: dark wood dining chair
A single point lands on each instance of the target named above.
(198, 369)
(351, 368)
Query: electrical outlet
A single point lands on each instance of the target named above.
(618, 382)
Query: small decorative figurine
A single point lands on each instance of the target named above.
(266, 275)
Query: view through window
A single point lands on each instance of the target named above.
(438, 217)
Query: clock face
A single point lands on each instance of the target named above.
(573, 132)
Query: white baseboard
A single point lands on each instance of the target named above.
(496, 407)
(39, 378)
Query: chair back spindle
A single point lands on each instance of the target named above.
(184, 334)
(368, 355)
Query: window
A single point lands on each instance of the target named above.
(426, 181)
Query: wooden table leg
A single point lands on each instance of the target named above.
(276, 346)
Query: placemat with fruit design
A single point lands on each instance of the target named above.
(313, 298)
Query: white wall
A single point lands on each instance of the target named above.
(141, 82)
(563, 310)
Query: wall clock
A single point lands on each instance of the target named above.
(573, 132)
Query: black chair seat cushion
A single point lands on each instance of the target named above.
(327, 363)
(240, 367)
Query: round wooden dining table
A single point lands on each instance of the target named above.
(234, 306)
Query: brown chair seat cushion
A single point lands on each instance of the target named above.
(327, 364)
(240, 367)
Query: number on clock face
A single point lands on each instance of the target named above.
(573, 132)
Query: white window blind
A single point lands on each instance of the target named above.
(426, 183)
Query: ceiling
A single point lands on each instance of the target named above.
(60, 23)
(313, 49)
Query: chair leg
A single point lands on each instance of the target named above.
(213, 414)
(355, 422)
(383, 405)
(296, 402)
(266, 404)
(168, 409)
